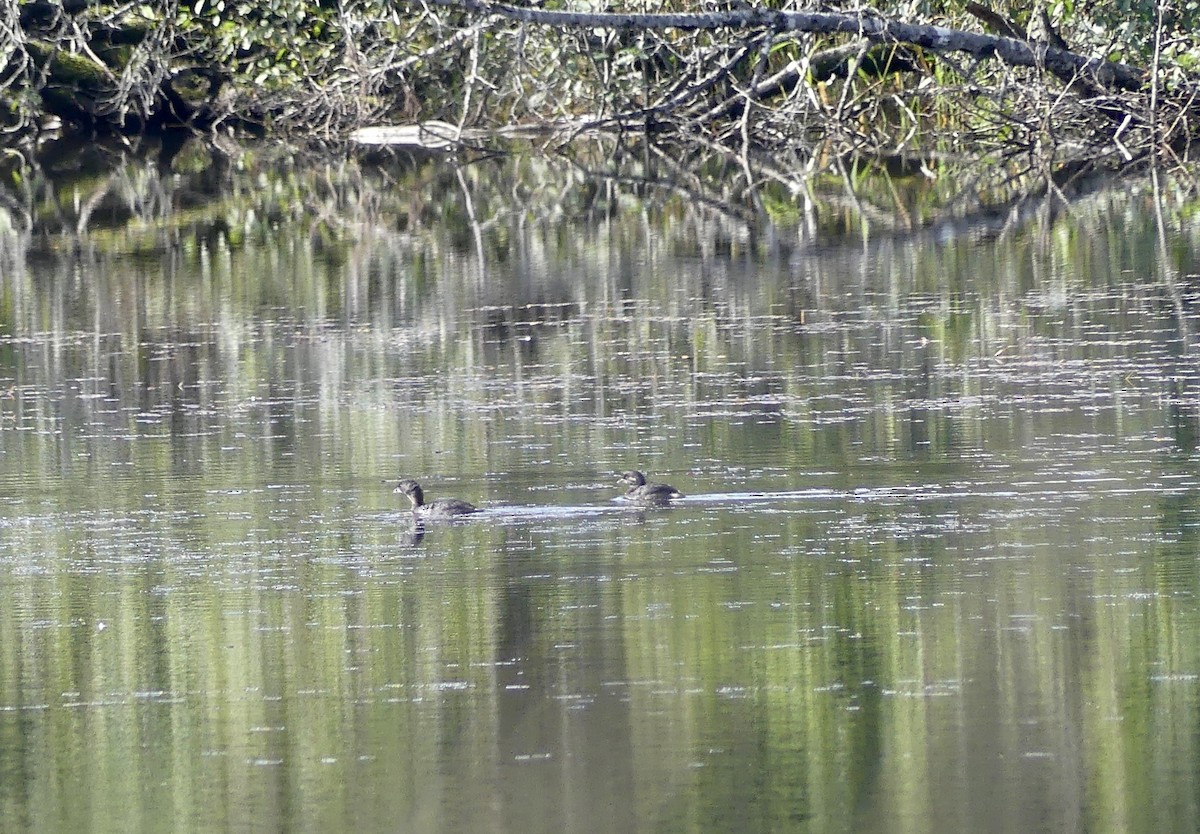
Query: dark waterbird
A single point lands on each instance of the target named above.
(646, 493)
(438, 508)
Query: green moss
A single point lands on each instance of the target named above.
(68, 68)
(195, 157)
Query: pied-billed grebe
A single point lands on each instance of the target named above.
(639, 490)
(439, 508)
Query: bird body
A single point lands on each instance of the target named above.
(438, 508)
(647, 493)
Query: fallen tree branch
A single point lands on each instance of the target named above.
(686, 92)
(1064, 64)
(824, 65)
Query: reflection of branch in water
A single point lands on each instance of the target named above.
(1184, 387)
(694, 194)
(696, 191)
(821, 194)
(476, 233)
(17, 171)
(1166, 273)
(964, 209)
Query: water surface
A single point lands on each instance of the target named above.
(936, 569)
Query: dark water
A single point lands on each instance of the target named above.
(936, 569)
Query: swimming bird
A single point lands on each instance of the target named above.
(438, 508)
(639, 490)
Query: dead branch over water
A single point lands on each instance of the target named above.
(869, 24)
(749, 85)
(1019, 97)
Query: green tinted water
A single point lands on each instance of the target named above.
(936, 569)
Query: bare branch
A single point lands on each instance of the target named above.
(1064, 64)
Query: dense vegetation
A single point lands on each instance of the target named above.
(1039, 92)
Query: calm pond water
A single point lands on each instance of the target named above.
(936, 570)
